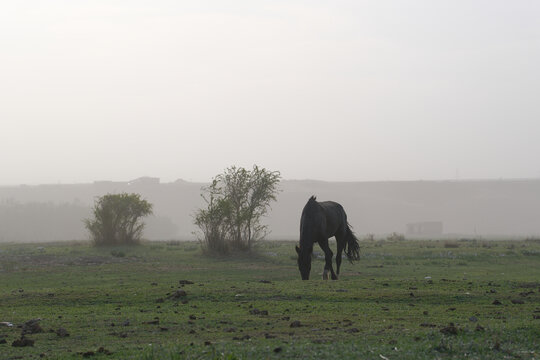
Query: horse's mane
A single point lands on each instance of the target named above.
(309, 219)
(311, 206)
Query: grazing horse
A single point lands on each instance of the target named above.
(320, 221)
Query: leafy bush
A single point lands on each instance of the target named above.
(117, 219)
(236, 201)
(215, 225)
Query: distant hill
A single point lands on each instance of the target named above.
(461, 208)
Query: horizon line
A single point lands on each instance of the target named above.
(157, 181)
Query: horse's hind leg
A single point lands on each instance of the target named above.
(340, 241)
(328, 254)
(340, 247)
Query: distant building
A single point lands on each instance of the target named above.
(425, 228)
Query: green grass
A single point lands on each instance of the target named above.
(392, 304)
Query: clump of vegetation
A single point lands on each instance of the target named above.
(236, 202)
(370, 237)
(395, 237)
(118, 253)
(117, 219)
(451, 244)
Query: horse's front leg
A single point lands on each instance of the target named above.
(328, 254)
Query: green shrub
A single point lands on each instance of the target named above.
(236, 201)
(117, 219)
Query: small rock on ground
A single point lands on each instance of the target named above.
(23, 342)
(450, 330)
(61, 332)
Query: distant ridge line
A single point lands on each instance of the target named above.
(315, 181)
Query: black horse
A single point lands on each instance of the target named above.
(320, 221)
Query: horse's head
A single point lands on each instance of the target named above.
(304, 261)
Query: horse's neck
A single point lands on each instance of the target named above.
(307, 247)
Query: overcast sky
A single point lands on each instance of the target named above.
(329, 90)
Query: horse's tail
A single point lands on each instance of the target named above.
(353, 247)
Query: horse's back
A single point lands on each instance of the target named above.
(335, 218)
(331, 206)
(322, 219)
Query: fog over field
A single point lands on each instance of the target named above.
(388, 106)
(489, 209)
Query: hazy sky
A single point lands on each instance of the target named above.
(330, 90)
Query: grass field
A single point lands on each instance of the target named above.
(402, 300)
